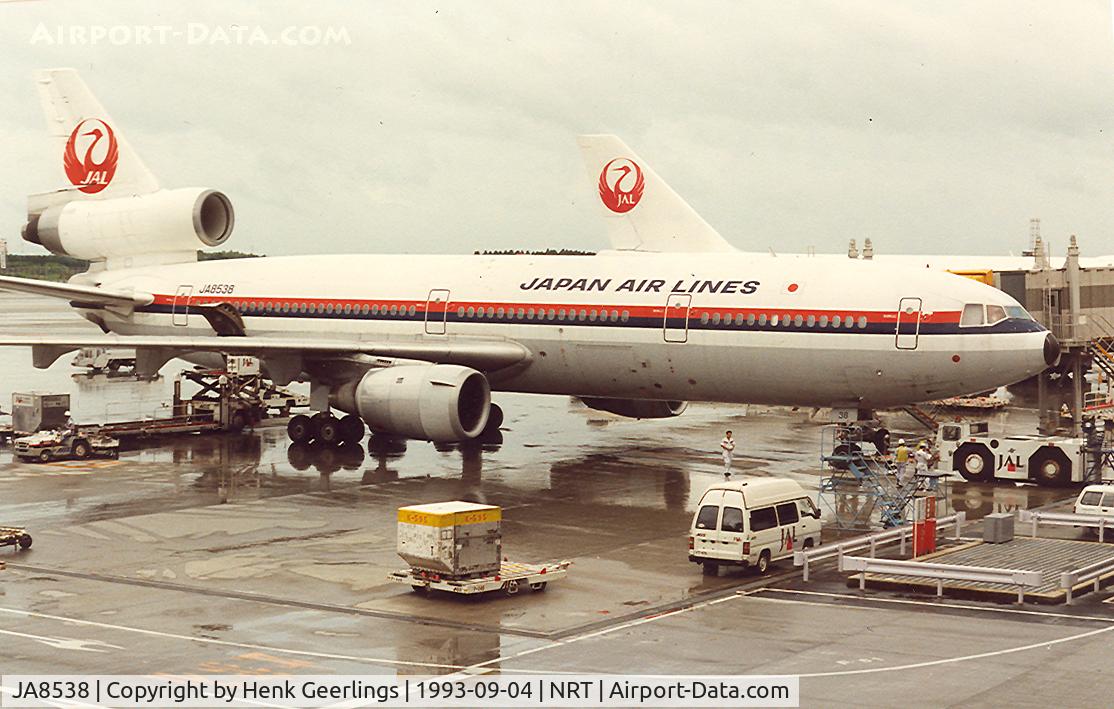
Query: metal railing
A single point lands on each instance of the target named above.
(1064, 519)
(872, 542)
(942, 572)
(1092, 572)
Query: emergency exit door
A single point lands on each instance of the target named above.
(908, 323)
(181, 307)
(436, 311)
(676, 323)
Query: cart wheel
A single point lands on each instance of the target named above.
(539, 586)
(24, 541)
(511, 588)
(44, 456)
(420, 588)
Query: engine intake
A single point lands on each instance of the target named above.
(164, 221)
(435, 402)
(637, 408)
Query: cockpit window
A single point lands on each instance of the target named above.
(972, 315)
(995, 313)
(1018, 313)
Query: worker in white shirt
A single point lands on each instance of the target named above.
(727, 447)
(922, 458)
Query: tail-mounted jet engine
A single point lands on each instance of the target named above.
(167, 221)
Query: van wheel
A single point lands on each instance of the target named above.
(808, 543)
(763, 563)
(974, 462)
(1049, 466)
(711, 569)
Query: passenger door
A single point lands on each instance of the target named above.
(181, 307)
(1107, 509)
(676, 323)
(764, 532)
(705, 531)
(436, 311)
(908, 323)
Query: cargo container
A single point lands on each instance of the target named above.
(451, 539)
(35, 411)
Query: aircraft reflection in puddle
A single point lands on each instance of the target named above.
(382, 449)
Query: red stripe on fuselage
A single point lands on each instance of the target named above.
(636, 311)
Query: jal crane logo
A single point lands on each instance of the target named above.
(621, 185)
(90, 174)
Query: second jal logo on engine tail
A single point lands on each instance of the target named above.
(621, 185)
(95, 169)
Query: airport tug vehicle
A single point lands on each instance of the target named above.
(15, 537)
(458, 547)
(968, 448)
(45, 446)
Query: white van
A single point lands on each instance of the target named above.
(752, 522)
(1096, 501)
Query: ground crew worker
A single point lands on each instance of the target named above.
(727, 447)
(922, 457)
(901, 461)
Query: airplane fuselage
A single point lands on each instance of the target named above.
(704, 327)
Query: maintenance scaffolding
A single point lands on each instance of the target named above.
(860, 488)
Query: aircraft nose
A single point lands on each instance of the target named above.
(1051, 350)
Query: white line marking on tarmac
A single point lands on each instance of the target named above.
(65, 643)
(595, 634)
(223, 643)
(941, 661)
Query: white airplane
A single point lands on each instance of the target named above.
(413, 345)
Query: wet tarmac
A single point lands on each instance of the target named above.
(243, 554)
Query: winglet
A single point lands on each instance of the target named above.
(642, 212)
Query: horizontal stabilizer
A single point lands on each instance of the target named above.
(74, 293)
(642, 212)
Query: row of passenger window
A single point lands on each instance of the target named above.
(760, 518)
(258, 308)
(784, 319)
(557, 314)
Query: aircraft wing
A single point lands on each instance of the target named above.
(482, 354)
(74, 293)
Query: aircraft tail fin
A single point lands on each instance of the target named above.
(642, 212)
(92, 151)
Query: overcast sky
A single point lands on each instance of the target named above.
(935, 127)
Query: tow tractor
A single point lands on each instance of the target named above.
(45, 446)
(968, 448)
(14, 537)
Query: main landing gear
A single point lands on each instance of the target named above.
(325, 428)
